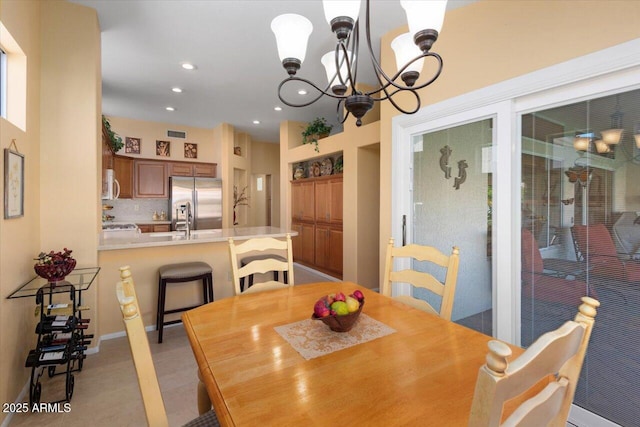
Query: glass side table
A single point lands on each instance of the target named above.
(80, 278)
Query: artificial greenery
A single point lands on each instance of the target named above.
(316, 129)
(114, 141)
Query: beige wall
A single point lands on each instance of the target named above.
(209, 148)
(265, 160)
(60, 144)
(20, 238)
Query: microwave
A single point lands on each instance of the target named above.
(110, 186)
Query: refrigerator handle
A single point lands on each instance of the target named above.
(194, 223)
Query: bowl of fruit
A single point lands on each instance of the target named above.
(339, 311)
(54, 266)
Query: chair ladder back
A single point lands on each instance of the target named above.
(141, 354)
(261, 266)
(422, 279)
(557, 353)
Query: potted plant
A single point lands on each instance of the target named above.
(318, 128)
(113, 140)
(239, 199)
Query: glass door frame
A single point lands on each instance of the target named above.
(612, 70)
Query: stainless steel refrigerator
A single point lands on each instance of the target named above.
(205, 196)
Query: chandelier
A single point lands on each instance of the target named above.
(609, 138)
(425, 22)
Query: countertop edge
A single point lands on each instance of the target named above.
(144, 240)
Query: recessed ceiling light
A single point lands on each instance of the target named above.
(188, 66)
(256, 122)
(302, 92)
(170, 109)
(176, 89)
(278, 108)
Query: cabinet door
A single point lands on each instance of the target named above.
(323, 201)
(180, 169)
(322, 243)
(335, 204)
(145, 228)
(302, 201)
(151, 180)
(123, 171)
(205, 169)
(334, 251)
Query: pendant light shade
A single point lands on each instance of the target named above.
(612, 136)
(329, 62)
(602, 147)
(637, 137)
(424, 15)
(406, 50)
(292, 33)
(581, 143)
(336, 8)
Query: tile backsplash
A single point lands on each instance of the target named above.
(136, 209)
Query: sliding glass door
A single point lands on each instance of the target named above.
(452, 206)
(580, 236)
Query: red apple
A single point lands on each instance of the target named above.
(358, 295)
(320, 309)
(339, 297)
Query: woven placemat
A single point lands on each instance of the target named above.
(312, 338)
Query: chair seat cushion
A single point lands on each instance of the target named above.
(555, 289)
(246, 260)
(208, 419)
(184, 270)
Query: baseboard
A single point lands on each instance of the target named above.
(582, 418)
(7, 420)
(319, 273)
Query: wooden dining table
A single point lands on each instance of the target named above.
(422, 373)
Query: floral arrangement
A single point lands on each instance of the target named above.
(54, 266)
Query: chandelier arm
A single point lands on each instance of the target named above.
(391, 81)
(389, 97)
(305, 104)
(338, 109)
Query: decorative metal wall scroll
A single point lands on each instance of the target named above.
(445, 153)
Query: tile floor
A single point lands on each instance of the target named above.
(106, 391)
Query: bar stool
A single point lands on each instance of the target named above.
(246, 260)
(177, 273)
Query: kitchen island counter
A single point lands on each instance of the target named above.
(146, 240)
(146, 252)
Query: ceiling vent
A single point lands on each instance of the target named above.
(176, 134)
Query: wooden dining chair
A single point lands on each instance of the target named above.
(261, 245)
(418, 279)
(555, 359)
(141, 353)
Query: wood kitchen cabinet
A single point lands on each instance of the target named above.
(328, 200)
(208, 170)
(303, 243)
(316, 214)
(123, 171)
(154, 228)
(328, 248)
(303, 200)
(150, 179)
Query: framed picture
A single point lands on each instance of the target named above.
(190, 150)
(163, 148)
(13, 184)
(132, 145)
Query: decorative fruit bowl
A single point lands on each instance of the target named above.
(339, 312)
(54, 266)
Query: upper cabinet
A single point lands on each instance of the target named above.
(123, 171)
(192, 169)
(151, 179)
